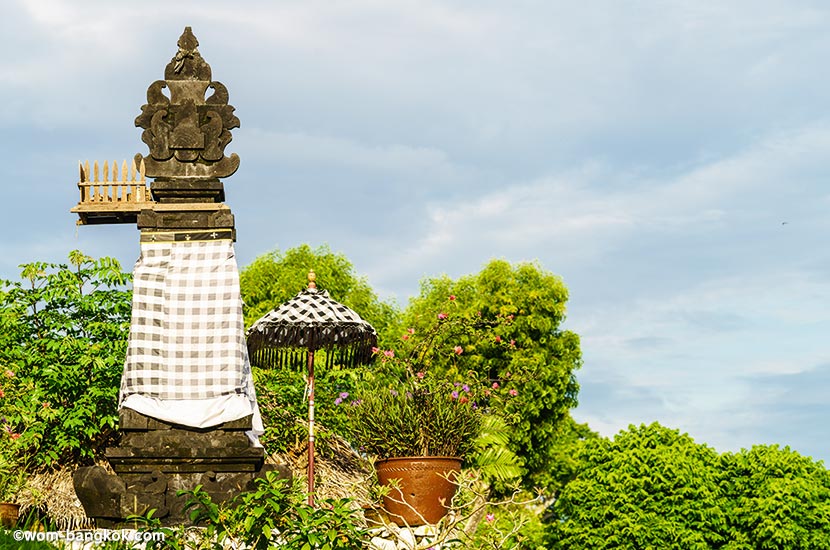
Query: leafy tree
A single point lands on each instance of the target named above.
(570, 436)
(649, 487)
(526, 356)
(63, 338)
(777, 499)
(652, 487)
(275, 277)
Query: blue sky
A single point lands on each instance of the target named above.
(648, 152)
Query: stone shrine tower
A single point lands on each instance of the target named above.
(188, 411)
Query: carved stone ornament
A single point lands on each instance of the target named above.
(186, 132)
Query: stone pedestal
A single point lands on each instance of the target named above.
(187, 123)
(156, 459)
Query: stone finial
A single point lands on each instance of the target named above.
(186, 132)
(188, 63)
(311, 278)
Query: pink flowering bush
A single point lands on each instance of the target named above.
(408, 409)
(526, 349)
(12, 466)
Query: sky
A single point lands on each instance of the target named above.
(669, 160)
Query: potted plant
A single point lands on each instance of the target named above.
(420, 425)
(420, 429)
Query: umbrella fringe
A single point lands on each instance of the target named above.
(350, 355)
(303, 336)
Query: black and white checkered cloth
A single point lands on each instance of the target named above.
(187, 336)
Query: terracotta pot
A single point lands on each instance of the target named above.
(8, 514)
(424, 483)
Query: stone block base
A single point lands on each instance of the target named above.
(157, 459)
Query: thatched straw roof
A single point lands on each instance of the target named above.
(340, 472)
(53, 494)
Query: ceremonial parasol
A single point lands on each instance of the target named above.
(304, 324)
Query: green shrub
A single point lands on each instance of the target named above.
(415, 417)
(274, 515)
(63, 338)
(284, 406)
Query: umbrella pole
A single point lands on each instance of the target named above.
(311, 427)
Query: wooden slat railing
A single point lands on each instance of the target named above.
(130, 187)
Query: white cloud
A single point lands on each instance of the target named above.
(583, 215)
(682, 351)
(283, 148)
(709, 378)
